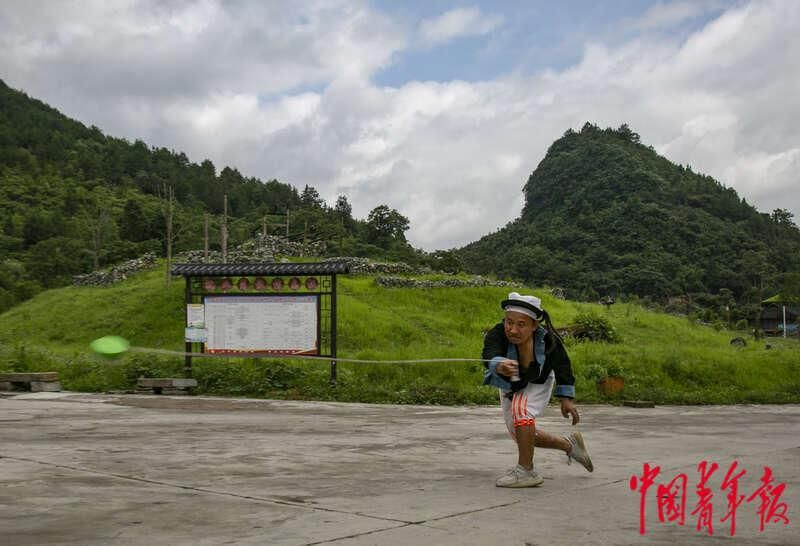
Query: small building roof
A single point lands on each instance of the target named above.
(268, 268)
(778, 299)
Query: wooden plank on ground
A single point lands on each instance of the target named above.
(27, 377)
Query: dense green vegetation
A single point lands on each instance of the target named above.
(73, 200)
(607, 216)
(663, 358)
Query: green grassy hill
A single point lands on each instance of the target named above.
(663, 358)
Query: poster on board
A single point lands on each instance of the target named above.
(261, 324)
(195, 315)
(195, 331)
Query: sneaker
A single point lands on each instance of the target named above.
(579, 451)
(520, 477)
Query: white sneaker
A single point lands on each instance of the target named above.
(520, 477)
(579, 451)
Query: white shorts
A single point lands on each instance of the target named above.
(526, 405)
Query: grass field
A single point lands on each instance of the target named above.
(664, 358)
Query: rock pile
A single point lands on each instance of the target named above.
(558, 293)
(258, 250)
(117, 273)
(363, 266)
(406, 282)
(262, 248)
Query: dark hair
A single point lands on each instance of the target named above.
(552, 330)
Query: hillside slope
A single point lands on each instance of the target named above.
(73, 199)
(662, 357)
(606, 215)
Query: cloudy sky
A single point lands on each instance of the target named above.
(438, 109)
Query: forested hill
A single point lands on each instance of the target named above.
(606, 215)
(73, 199)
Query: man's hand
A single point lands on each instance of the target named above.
(507, 367)
(568, 409)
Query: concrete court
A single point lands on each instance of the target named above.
(107, 469)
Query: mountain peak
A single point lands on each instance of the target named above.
(605, 214)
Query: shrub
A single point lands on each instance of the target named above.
(603, 368)
(593, 327)
(593, 372)
(742, 324)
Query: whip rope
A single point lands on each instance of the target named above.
(302, 357)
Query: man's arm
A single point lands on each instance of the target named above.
(565, 380)
(495, 342)
(495, 347)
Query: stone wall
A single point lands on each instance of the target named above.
(257, 250)
(117, 273)
(363, 266)
(264, 248)
(406, 282)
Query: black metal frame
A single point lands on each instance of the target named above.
(196, 276)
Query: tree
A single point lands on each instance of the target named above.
(53, 261)
(386, 225)
(625, 132)
(310, 197)
(790, 288)
(782, 217)
(40, 225)
(446, 260)
(343, 211)
(100, 227)
(15, 286)
(139, 220)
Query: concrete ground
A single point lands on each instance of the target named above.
(102, 469)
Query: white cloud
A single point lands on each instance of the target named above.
(285, 91)
(767, 178)
(456, 23)
(159, 50)
(669, 14)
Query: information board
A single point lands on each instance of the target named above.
(261, 324)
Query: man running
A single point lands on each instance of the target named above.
(526, 361)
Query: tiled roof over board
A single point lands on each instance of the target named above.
(208, 270)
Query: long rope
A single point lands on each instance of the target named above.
(301, 357)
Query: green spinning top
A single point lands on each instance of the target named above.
(110, 346)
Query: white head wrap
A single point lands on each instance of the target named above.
(522, 304)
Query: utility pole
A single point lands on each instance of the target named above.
(224, 230)
(168, 211)
(205, 238)
(101, 221)
(759, 306)
(783, 306)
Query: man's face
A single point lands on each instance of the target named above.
(519, 327)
